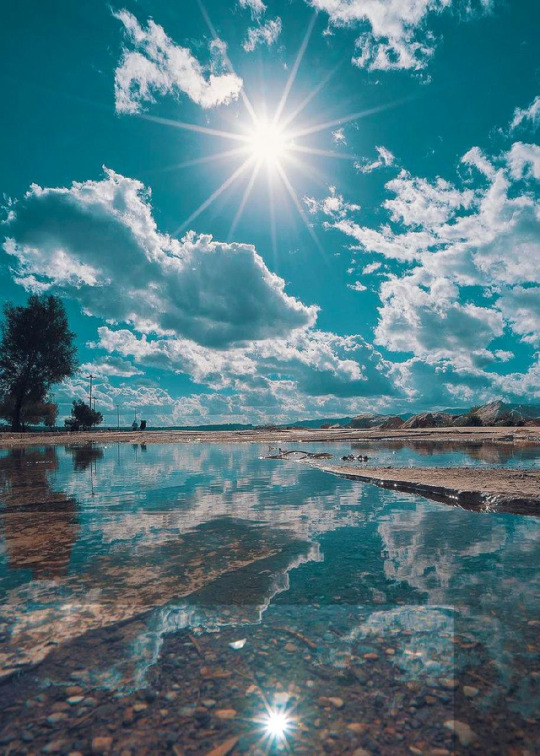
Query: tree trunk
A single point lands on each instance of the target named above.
(16, 419)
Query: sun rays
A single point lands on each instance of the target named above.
(272, 145)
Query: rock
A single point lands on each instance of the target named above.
(429, 420)
(371, 656)
(449, 683)
(54, 746)
(361, 752)
(337, 702)
(225, 748)
(129, 715)
(291, 647)
(470, 691)
(101, 744)
(357, 727)
(140, 707)
(225, 713)
(463, 732)
(209, 703)
(57, 717)
(74, 700)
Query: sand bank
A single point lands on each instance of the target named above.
(278, 436)
(480, 488)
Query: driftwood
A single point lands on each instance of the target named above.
(285, 453)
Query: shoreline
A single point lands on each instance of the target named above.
(498, 435)
(482, 489)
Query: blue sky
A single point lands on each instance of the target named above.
(270, 211)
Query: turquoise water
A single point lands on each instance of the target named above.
(211, 539)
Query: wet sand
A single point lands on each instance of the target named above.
(487, 489)
(281, 436)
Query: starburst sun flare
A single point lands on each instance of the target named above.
(270, 142)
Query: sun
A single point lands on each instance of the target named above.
(277, 143)
(268, 143)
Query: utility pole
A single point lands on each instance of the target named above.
(118, 416)
(90, 392)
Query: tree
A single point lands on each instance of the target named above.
(32, 413)
(83, 416)
(36, 351)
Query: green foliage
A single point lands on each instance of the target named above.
(36, 351)
(83, 416)
(32, 413)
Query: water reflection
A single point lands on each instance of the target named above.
(120, 550)
(38, 524)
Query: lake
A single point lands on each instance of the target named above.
(182, 598)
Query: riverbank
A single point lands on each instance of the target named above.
(480, 488)
(279, 436)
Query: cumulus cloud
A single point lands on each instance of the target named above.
(195, 306)
(385, 159)
(153, 64)
(263, 34)
(529, 116)
(429, 321)
(467, 272)
(313, 363)
(524, 160)
(397, 36)
(97, 242)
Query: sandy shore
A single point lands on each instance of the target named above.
(480, 488)
(281, 437)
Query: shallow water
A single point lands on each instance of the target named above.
(127, 571)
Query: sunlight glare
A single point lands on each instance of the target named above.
(277, 724)
(268, 143)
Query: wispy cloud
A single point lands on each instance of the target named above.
(264, 34)
(385, 159)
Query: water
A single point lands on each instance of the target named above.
(128, 570)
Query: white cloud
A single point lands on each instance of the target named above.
(338, 136)
(156, 65)
(397, 37)
(529, 115)
(371, 268)
(357, 286)
(476, 158)
(257, 7)
(524, 160)
(264, 34)
(385, 159)
(97, 242)
(425, 204)
(424, 316)
(334, 205)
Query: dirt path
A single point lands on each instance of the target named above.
(278, 436)
(479, 488)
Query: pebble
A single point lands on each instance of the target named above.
(225, 713)
(449, 683)
(209, 703)
(58, 716)
(371, 656)
(74, 700)
(357, 727)
(465, 735)
(470, 691)
(337, 702)
(140, 707)
(55, 746)
(361, 752)
(291, 647)
(101, 744)
(129, 715)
